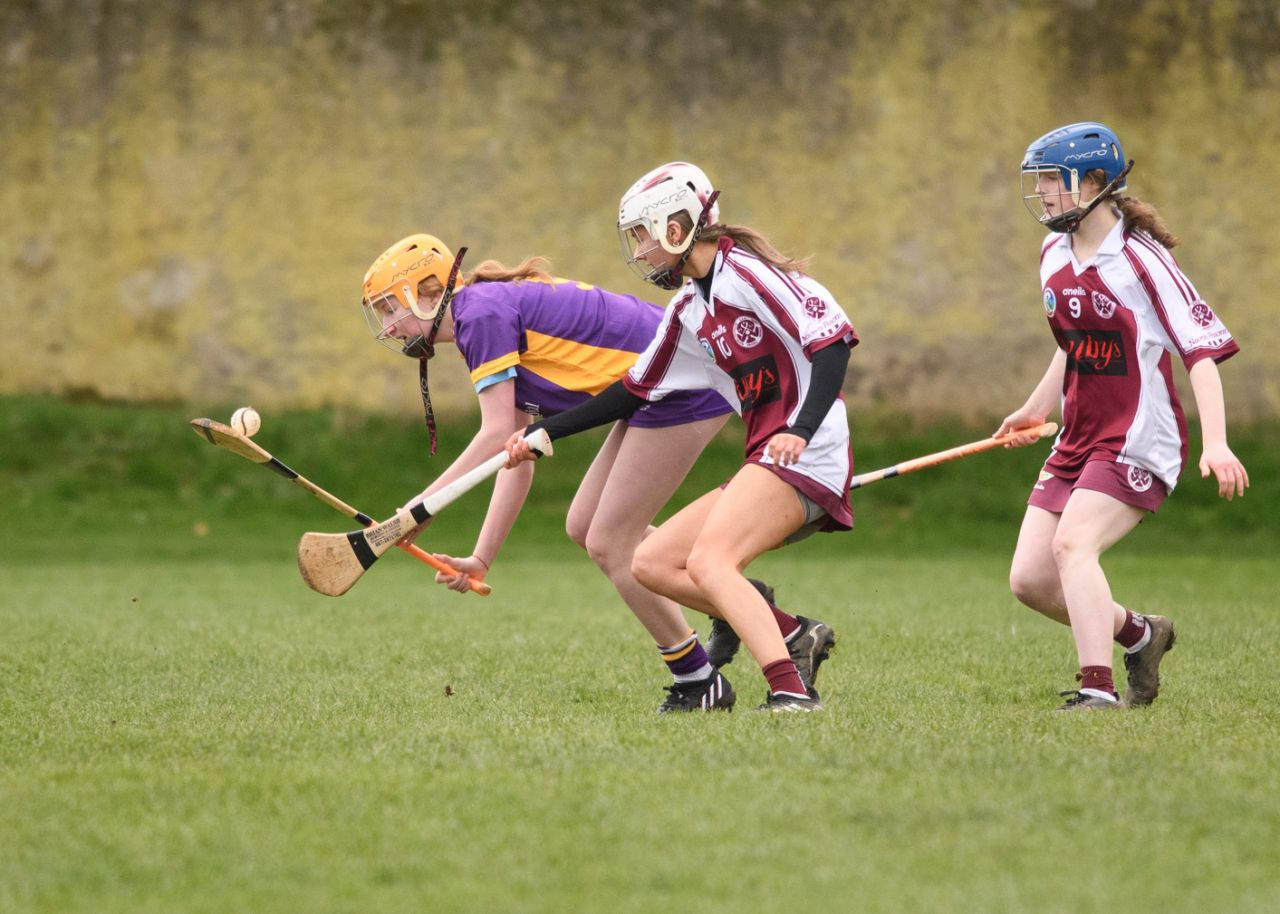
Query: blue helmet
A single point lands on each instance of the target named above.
(1072, 151)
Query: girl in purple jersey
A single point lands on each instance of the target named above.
(1119, 308)
(746, 321)
(536, 345)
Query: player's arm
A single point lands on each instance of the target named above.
(1043, 400)
(499, 419)
(825, 380)
(510, 489)
(611, 404)
(1216, 457)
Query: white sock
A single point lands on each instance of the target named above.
(696, 675)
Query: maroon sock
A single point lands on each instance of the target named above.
(784, 677)
(1135, 626)
(787, 624)
(1097, 677)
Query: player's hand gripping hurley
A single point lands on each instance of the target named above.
(955, 453)
(227, 438)
(331, 563)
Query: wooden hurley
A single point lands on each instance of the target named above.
(955, 453)
(227, 438)
(331, 563)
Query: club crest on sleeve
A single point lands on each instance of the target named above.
(1103, 305)
(815, 307)
(747, 331)
(1202, 314)
(1139, 479)
(1050, 302)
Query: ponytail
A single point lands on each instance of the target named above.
(1137, 214)
(1143, 216)
(493, 271)
(757, 244)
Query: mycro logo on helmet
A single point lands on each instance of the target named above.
(670, 198)
(413, 267)
(1092, 154)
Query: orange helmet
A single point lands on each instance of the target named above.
(395, 275)
(400, 268)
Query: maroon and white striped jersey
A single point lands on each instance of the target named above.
(1120, 317)
(752, 342)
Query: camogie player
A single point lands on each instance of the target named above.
(744, 321)
(536, 345)
(1120, 309)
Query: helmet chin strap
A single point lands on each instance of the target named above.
(423, 348)
(1069, 222)
(673, 277)
(416, 348)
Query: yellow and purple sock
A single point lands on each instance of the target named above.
(687, 660)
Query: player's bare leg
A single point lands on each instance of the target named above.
(755, 512)
(611, 513)
(659, 562)
(1034, 577)
(662, 562)
(1090, 525)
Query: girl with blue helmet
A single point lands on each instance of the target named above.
(1120, 309)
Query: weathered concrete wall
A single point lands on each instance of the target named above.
(192, 191)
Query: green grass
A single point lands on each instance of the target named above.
(184, 727)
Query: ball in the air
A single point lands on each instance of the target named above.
(246, 421)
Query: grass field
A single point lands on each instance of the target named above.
(184, 727)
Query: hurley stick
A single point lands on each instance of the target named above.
(227, 438)
(955, 453)
(331, 563)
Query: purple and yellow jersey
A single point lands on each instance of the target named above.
(563, 342)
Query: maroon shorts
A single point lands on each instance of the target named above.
(1123, 482)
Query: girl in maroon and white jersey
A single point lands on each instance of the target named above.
(536, 345)
(1120, 309)
(747, 322)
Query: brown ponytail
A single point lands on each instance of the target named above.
(1137, 214)
(757, 244)
(1143, 216)
(494, 271)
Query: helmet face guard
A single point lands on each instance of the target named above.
(1069, 153)
(660, 196)
(382, 315)
(637, 244)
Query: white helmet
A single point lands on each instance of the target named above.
(652, 202)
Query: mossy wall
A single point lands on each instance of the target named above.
(192, 191)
